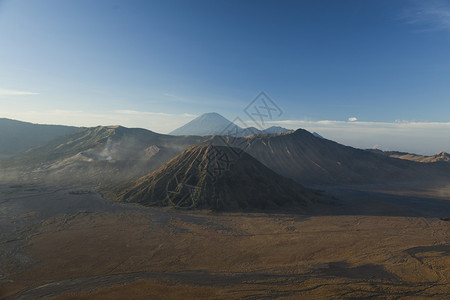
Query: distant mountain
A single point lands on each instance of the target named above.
(440, 157)
(246, 131)
(213, 177)
(276, 129)
(216, 124)
(207, 124)
(17, 136)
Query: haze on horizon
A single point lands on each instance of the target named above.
(366, 74)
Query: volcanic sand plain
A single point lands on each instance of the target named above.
(71, 243)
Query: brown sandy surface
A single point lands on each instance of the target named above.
(169, 254)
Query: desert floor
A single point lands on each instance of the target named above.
(70, 243)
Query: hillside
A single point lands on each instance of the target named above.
(213, 177)
(17, 136)
(102, 154)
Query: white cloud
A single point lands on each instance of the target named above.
(6, 92)
(353, 119)
(430, 16)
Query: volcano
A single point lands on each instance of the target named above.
(217, 178)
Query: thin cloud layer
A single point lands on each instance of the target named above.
(7, 92)
(430, 16)
(149, 113)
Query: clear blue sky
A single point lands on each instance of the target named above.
(377, 61)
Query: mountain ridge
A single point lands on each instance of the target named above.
(115, 153)
(18, 136)
(436, 158)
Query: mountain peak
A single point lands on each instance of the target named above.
(442, 156)
(211, 114)
(300, 131)
(206, 124)
(276, 129)
(214, 177)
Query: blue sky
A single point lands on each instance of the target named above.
(158, 64)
